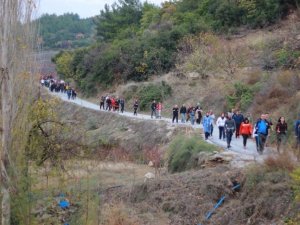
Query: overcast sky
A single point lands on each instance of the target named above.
(84, 8)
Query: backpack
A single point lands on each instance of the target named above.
(262, 127)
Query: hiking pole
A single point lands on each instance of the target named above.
(219, 203)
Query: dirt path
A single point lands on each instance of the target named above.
(240, 156)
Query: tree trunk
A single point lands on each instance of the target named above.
(6, 108)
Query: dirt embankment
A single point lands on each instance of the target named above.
(106, 130)
(186, 198)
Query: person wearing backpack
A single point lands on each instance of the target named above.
(206, 122)
(220, 124)
(229, 129)
(281, 130)
(246, 131)
(262, 129)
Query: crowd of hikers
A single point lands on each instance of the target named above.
(228, 124)
(232, 123)
(56, 85)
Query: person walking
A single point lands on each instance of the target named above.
(198, 115)
(220, 124)
(245, 131)
(269, 120)
(102, 99)
(262, 129)
(175, 113)
(158, 109)
(206, 122)
(192, 115)
(297, 135)
(122, 105)
(153, 109)
(281, 130)
(238, 119)
(213, 117)
(183, 113)
(230, 128)
(135, 107)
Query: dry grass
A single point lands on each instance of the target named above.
(280, 162)
(118, 215)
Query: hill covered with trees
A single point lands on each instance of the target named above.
(65, 31)
(136, 41)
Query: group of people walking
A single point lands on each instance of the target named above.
(236, 123)
(228, 124)
(110, 103)
(57, 86)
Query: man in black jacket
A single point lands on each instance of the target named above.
(153, 109)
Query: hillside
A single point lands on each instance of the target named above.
(67, 31)
(136, 41)
(108, 184)
(222, 54)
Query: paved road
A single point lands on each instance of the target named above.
(241, 156)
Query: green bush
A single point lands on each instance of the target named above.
(182, 151)
(157, 92)
(243, 95)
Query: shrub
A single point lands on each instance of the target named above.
(296, 179)
(281, 162)
(243, 95)
(183, 149)
(118, 215)
(151, 92)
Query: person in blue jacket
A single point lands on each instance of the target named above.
(297, 135)
(207, 125)
(262, 127)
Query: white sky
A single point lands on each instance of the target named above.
(84, 8)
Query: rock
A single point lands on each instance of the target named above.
(150, 164)
(220, 158)
(148, 176)
(298, 37)
(193, 75)
(202, 158)
(46, 216)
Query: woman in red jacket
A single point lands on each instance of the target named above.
(246, 131)
(158, 109)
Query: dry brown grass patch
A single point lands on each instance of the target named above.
(118, 215)
(280, 162)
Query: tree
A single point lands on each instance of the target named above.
(15, 46)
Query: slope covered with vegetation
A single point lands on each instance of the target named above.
(65, 31)
(136, 41)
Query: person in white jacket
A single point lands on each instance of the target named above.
(221, 123)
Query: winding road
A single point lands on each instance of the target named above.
(240, 156)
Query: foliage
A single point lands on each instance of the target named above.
(151, 92)
(182, 151)
(137, 40)
(276, 53)
(296, 178)
(65, 31)
(242, 96)
(49, 138)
